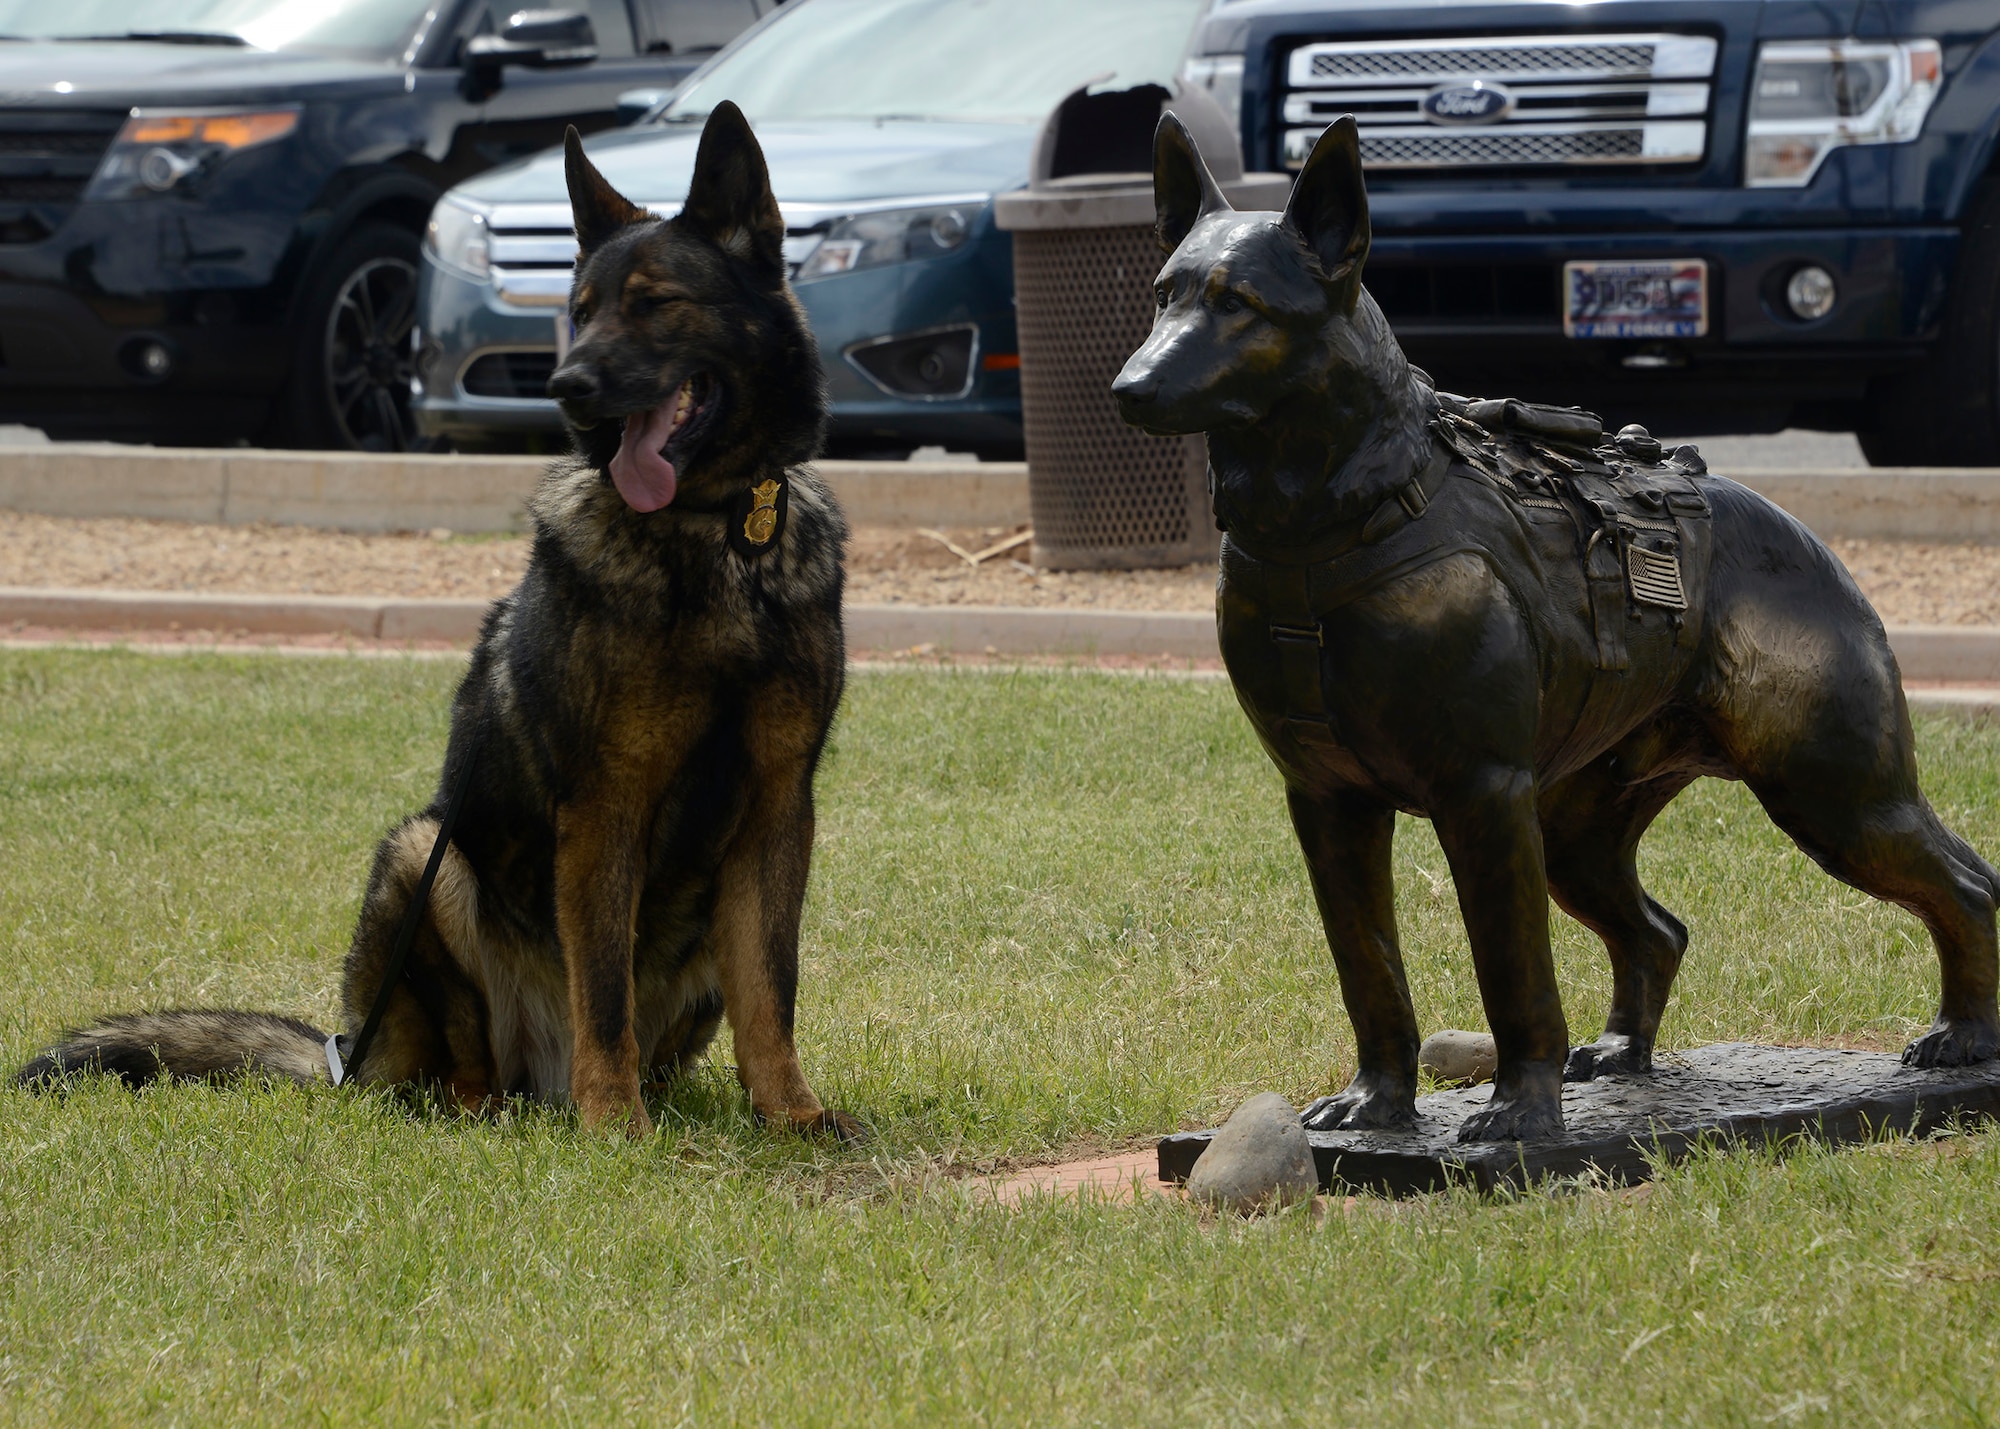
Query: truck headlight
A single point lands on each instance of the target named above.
(456, 237)
(1222, 77)
(159, 150)
(1806, 100)
(869, 240)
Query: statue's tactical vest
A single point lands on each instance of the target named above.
(1614, 532)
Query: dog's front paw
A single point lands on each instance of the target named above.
(849, 1131)
(612, 1104)
(1614, 1054)
(1954, 1042)
(631, 1119)
(825, 1122)
(1368, 1104)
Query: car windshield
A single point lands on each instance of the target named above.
(380, 28)
(969, 60)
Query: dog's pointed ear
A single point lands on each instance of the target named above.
(729, 200)
(1328, 208)
(1184, 191)
(597, 209)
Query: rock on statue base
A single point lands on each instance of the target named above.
(1615, 1127)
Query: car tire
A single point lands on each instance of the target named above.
(1946, 411)
(350, 383)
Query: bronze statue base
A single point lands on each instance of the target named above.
(1615, 1126)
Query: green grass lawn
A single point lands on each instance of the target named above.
(1051, 912)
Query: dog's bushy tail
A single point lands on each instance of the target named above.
(145, 1046)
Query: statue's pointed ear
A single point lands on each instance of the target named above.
(729, 199)
(1328, 208)
(1184, 192)
(597, 209)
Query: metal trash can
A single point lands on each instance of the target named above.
(1104, 495)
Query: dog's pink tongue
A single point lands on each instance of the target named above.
(642, 475)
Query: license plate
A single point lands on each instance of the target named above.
(1663, 298)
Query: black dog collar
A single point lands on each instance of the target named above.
(757, 517)
(1403, 505)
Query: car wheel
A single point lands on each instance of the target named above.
(1946, 412)
(350, 383)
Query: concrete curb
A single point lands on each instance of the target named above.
(967, 629)
(365, 491)
(1947, 653)
(1032, 630)
(1967, 702)
(1944, 654)
(359, 616)
(1945, 504)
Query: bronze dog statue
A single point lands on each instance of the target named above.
(1489, 615)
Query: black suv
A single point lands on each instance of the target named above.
(210, 210)
(1732, 215)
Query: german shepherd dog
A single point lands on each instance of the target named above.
(1409, 628)
(645, 712)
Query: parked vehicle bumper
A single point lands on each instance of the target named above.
(1485, 314)
(206, 282)
(465, 322)
(74, 365)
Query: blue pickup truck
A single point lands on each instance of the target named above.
(1732, 215)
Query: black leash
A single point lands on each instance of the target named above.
(346, 1069)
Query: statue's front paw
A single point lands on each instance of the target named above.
(1527, 1117)
(1362, 1108)
(1955, 1042)
(1613, 1055)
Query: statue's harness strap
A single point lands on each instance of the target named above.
(1640, 514)
(1299, 585)
(1639, 522)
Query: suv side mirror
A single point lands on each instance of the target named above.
(539, 39)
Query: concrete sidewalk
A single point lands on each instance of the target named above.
(357, 491)
(362, 491)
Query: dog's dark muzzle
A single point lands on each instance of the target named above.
(578, 389)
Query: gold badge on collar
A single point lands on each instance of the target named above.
(762, 522)
(757, 519)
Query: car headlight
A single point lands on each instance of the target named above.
(869, 240)
(456, 237)
(1222, 77)
(159, 150)
(1806, 100)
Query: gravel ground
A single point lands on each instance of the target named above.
(892, 566)
(1914, 584)
(1910, 584)
(274, 560)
